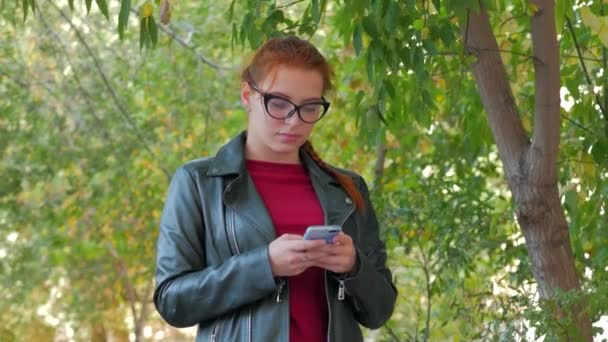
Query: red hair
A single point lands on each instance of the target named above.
(287, 50)
(295, 52)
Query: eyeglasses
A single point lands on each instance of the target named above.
(281, 108)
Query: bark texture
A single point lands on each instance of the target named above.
(531, 164)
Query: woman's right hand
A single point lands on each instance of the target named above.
(291, 255)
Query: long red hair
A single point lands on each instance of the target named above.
(296, 52)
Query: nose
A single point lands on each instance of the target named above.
(293, 120)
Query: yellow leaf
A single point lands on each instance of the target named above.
(532, 9)
(425, 33)
(590, 19)
(146, 10)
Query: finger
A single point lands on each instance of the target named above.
(305, 245)
(342, 239)
(333, 249)
(290, 237)
(315, 258)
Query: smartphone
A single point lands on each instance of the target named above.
(325, 232)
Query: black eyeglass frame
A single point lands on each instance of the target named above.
(296, 108)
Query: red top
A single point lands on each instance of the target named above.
(293, 205)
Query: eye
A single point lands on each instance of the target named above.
(278, 104)
(311, 109)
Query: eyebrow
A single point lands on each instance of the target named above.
(289, 97)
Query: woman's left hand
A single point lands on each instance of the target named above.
(342, 255)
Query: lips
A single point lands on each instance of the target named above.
(289, 137)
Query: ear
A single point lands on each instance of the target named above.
(246, 96)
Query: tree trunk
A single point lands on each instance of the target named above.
(530, 166)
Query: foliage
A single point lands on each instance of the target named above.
(92, 128)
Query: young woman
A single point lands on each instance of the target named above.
(231, 255)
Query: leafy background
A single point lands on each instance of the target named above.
(93, 126)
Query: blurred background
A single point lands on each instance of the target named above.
(93, 126)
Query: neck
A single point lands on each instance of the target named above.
(254, 152)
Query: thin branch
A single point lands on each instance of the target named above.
(466, 34)
(290, 4)
(185, 44)
(17, 81)
(604, 75)
(577, 124)
(585, 71)
(202, 58)
(427, 277)
(535, 59)
(509, 19)
(122, 271)
(85, 93)
(380, 158)
(109, 87)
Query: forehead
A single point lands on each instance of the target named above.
(297, 83)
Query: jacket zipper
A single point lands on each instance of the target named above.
(280, 290)
(341, 288)
(216, 326)
(238, 251)
(328, 310)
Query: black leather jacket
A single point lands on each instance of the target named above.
(212, 256)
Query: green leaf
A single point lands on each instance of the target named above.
(88, 4)
(437, 4)
(390, 89)
(316, 11)
(144, 37)
(230, 12)
(103, 7)
(370, 27)
(370, 67)
(25, 9)
(153, 30)
(390, 19)
(599, 151)
(357, 40)
(560, 14)
(123, 17)
(33, 5)
(71, 3)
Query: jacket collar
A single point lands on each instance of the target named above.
(230, 159)
(241, 195)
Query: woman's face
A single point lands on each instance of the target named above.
(273, 139)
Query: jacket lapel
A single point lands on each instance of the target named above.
(242, 197)
(240, 194)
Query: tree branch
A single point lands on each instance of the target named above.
(583, 66)
(380, 158)
(185, 44)
(495, 92)
(577, 124)
(85, 93)
(123, 274)
(289, 4)
(545, 141)
(17, 81)
(109, 87)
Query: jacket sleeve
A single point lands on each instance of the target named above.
(370, 289)
(188, 291)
